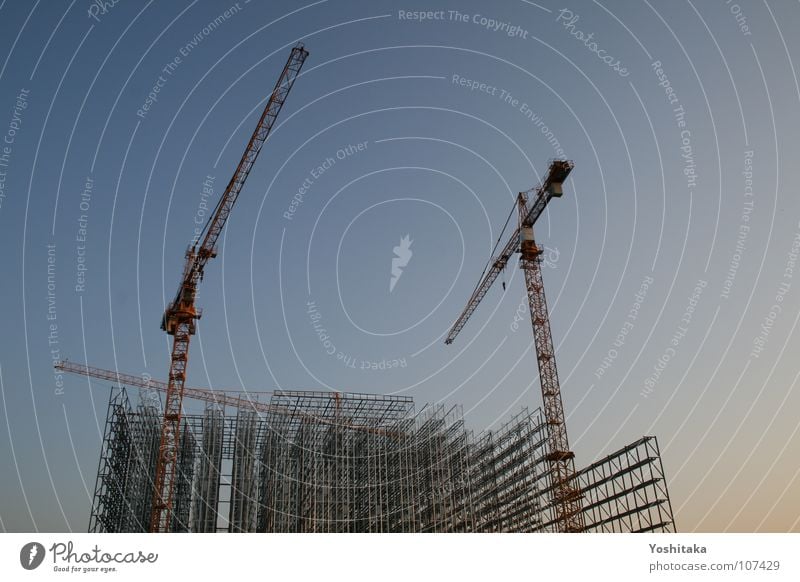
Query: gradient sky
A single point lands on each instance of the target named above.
(696, 198)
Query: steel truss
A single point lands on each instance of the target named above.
(316, 466)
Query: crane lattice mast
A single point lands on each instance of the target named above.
(180, 317)
(566, 496)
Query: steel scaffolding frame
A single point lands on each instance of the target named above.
(627, 492)
(333, 462)
(318, 474)
(205, 517)
(511, 475)
(124, 484)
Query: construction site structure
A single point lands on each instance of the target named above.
(179, 319)
(566, 498)
(246, 401)
(239, 470)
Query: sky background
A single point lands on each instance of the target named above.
(686, 213)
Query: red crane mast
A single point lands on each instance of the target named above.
(180, 315)
(565, 495)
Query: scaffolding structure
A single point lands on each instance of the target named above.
(124, 487)
(627, 492)
(343, 462)
(511, 477)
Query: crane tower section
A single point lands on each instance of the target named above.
(180, 315)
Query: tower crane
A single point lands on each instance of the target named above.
(229, 398)
(180, 315)
(566, 496)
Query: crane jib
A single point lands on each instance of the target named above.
(180, 315)
(551, 187)
(565, 493)
(197, 257)
(228, 199)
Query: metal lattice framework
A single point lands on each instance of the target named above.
(124, 488)
(566, 498)
(179, 319)
(303, 467)
(626, 491)
(511, 481)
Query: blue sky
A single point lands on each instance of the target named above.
(672, 281)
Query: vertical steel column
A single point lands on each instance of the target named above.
(566, 496)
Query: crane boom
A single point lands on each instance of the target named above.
(220, 397)
(551, 187)
(180, 315)
(565, 496)
(198, 256)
